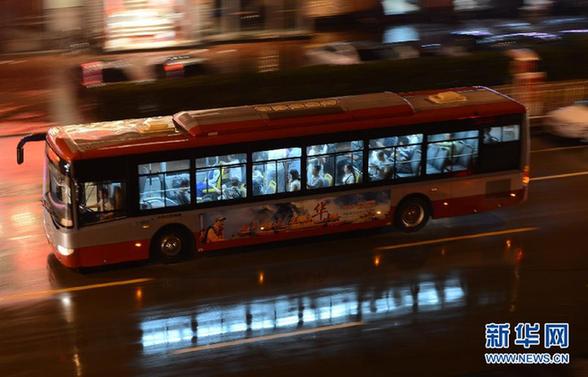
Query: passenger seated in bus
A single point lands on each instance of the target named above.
(293, 180)
(235, 190)
(349, 178)
(315, 181)
(380, 167)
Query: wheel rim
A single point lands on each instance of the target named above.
(413, 215)
(171, 245)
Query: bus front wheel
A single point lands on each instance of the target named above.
(412, 214)
(171, 245)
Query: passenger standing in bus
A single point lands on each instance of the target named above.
(235, 171)
(184, 192)
(117, 196)
(104, 200)
(293, 180)
(380, 167)
(404, 154)
(315, 181)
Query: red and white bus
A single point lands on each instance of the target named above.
(223, 178)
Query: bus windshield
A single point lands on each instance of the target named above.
(57, 195)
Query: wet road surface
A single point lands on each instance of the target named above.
(368, 303)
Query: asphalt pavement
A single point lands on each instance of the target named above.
(377, 303)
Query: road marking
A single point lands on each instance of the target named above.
(53, 292)
(559, 149)
(317, 330)
(466, 237)
(18, 238)
(559, 176)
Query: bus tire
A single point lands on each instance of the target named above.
(412, 214)
(172, 244)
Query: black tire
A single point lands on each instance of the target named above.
(412, 214)
(171, 245)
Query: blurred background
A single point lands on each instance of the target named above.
(114, 25)
(71, 61)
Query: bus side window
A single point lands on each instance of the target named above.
(502, 134)
(452, 152)
(164, 184)
(221, 178)
(100, 201)
(276, 171)
(395, 157)
(501, 149)
(334, 164)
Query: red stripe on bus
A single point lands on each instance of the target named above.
(139, 250)
(106, 254)
(477, 203)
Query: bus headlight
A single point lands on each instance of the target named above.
(64, 250)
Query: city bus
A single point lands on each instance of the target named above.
(169, 187)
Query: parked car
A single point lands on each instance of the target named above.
(465, 41)
(181, 66)
(102, 72)
(337, 53)
(569, 121)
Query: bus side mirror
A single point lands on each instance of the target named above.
(20, 147)
(19, 155)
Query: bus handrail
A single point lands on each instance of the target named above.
(39, 136)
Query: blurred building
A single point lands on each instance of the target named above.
(135, 24)
(120, 24)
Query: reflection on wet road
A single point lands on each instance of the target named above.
(328, 307)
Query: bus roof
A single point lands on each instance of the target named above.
(244, 124)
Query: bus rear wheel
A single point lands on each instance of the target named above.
(171, 245)
(412, 214)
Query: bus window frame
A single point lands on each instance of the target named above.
(165, 209)
(194, 171)
(117, 214)
(303, 142)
